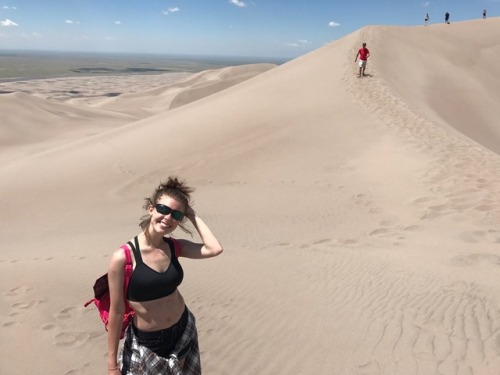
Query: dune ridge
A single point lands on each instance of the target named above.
(359, 215)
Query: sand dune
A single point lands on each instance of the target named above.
(359, 215)
(192, 88)
(28, 119)
(446, 74)
(56, 109)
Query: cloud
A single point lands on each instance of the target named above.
(333, 24)
(7, 23)
(71, 22)
(171, 10)
(298, 44)
(6, 7)
(31, 36)
(238, 3)
(118, 22)
(426, 4)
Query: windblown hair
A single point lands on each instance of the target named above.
(174, 188)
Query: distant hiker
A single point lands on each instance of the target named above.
(363, 55)
(484, 14)
(426, 18)
(447, 18)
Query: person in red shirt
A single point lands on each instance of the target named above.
(363, 55)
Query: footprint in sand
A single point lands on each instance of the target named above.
(48, 326)
(347, 241)
(66, 313)
(71, 339)
(491, 235)
(209, 331)
(476, 259)
(78, 371)
(386, 223)
(394, 232)
(380, 232)
(412, 228)
(18, 291)
(322, 241)
(8, 324)
(362, 200)
(25, 305)
(484, 207)
(422, 200)
(282, 244)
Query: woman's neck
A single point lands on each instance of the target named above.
(153, 239)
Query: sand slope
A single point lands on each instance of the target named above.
(360, 218)
(46, 113)
(190, 89)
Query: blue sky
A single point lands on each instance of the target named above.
(259, 28)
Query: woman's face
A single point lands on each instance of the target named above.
(166, 214)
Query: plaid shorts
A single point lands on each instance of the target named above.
(139, 360)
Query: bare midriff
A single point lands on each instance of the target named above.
(158, 314)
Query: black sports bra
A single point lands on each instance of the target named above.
(146, 284)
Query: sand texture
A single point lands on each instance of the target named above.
(359, 216)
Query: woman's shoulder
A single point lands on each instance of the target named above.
(119, 255)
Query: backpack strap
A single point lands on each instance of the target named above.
(126, 250)
(177, 246)
(128, 268)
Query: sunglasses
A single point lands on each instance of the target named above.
(165, 210)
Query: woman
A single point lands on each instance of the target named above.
(162, 337)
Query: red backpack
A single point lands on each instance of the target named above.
(101, 294)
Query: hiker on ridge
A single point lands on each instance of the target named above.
(363, 54)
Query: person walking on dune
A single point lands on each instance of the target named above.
(447, 18)
(484, 14)
(363, 54)
(426, 19)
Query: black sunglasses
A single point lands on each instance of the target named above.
(165, 210)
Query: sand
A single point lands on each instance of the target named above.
(359, 216)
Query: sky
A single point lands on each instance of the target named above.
(253, 28)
